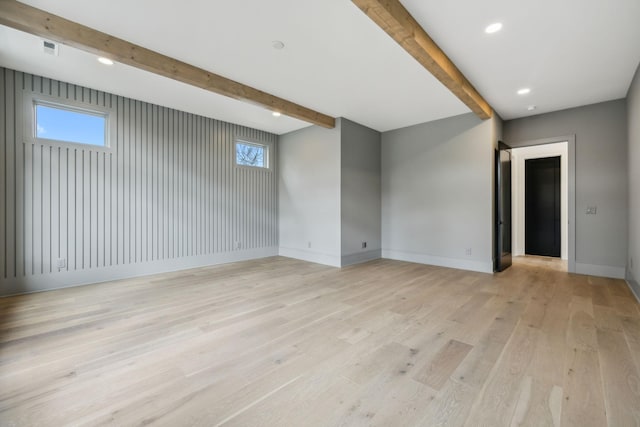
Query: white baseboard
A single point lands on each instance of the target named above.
(360, 257)
(307, 255)
(633, 285)
(462, 264)
(600, 270)
(64, 279)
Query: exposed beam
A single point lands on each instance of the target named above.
(44, 24)
(395, 20)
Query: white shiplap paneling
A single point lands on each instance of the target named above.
(166, 195)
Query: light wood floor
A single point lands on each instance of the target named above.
(279, 342)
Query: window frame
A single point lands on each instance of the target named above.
(267, 146)
(32, 100)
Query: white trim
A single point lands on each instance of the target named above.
(266, 145)
(461, 264)
(635, 289)
(360, 257)
(600, 270)
(65, 279)
(29, 136)
(519, 156)
(633, 285)
(571, 142)
(311, 256)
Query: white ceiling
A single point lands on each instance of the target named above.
(335, 60)
(338, 62)
(568, 52)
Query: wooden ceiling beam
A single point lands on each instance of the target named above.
(395, 20)
(44, 24)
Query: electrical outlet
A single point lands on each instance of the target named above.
(62, 262)
(467, 251)
(237, 245)
(364, 245)
(592, 210)
(309, 245)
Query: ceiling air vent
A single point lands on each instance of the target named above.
(50, 47)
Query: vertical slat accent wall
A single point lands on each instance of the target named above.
(166, 195)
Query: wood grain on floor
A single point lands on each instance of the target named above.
(281, 342)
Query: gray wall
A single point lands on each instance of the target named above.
(437, 193)
(633, 114)
(165, 196)
(309, 194)
(601, 178)
(329, 194)
(360, 193)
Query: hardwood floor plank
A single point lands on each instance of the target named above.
(631, 327)
(306, 401)
(496, 402)
(468, 309)
(600, 296)
(438, 370)
(581, 332)
(278, 341)
(583, 401)
(452, 404)
(473, 329)
(607, 319)
(538, 404)
(620, 379)
(625, 306)
(540, 400)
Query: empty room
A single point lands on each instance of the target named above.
(320, 213)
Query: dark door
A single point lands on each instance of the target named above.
(503, 207)
(542, 206)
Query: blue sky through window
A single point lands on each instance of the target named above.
(69, 126)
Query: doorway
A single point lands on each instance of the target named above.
(542, 206)
(538, 149)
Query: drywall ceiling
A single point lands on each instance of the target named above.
(568, 52)
(335, 60)
(23, 52)
(338, 62)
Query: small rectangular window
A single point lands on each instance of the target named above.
(252, 154)
(61, 123)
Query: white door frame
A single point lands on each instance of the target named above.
(571, 189)
(519, 157)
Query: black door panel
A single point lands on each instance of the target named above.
(503, 207)
(542, 206)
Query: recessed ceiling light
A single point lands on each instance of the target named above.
(531, 107)
(276, 114)
(524, 91)
(277, 44)
(493, 28)
(105, 61)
